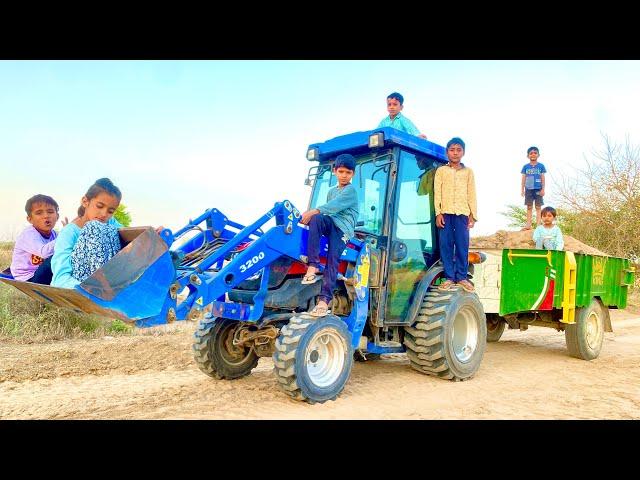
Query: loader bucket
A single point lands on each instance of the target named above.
(131, 286)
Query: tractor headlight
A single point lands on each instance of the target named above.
(376, 140)
(313, 154)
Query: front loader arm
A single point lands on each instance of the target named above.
(283, 239)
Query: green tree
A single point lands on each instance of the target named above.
(122, 215)
(517, 216)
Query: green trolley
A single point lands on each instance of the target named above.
(571, 292)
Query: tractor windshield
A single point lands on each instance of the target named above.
(370, 180)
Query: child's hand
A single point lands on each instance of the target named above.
(472, 222)
(440, 221)
(159, 229)
(306, 216)
(65, 221)
(541, 192)
(422, 135)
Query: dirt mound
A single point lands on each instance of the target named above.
(523, 239)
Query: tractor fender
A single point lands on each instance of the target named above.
(421, 290)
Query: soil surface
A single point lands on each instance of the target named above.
(524, 239)
(526, 375)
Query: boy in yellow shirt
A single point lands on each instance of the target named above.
(456, 212)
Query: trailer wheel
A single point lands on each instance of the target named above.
(449, 336)
(215, 354)
(495, 327)
(313, 358)
(584, 338)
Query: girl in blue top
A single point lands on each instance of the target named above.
(91, 239)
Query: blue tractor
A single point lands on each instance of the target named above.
(242, 283)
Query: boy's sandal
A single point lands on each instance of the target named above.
(466, 285)
(319, 311)
(446, 285)
(309, 279)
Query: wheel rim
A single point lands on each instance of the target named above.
(325, 357)
(592, 330)
(232, 354)
(465, 334)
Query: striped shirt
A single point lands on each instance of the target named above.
(455, 191)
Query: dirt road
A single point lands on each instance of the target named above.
(527, 375)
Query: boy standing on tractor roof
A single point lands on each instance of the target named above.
(532, 188)
(456, 213)
(336, 220)
(395, 119)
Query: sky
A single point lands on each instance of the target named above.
(178, 137)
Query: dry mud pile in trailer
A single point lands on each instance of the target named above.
(523, 239)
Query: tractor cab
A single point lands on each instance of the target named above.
(394, 180)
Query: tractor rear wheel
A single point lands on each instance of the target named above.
(495, 327)
(584, 338)
(215, 353)
(313, 358)
(449, 336)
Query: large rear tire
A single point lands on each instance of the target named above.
(449, 337)
(215, 354)
(584, 338)
(313, 358)
(495, 327)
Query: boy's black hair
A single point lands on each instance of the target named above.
(456, 141)
(39, 198)
(550, 210)
(100, 185)
(397, 96)
(345, 160)
(530, 149)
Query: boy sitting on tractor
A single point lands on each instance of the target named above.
(336, 220)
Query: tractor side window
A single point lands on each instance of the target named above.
(412, 247)
(371, 184)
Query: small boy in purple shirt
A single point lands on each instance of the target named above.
(34, 246)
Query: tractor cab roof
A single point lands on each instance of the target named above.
(358, 143)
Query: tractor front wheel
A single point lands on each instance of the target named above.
(215, 353)
(584, 338)
(313, 358)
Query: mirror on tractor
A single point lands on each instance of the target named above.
(398, 251)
